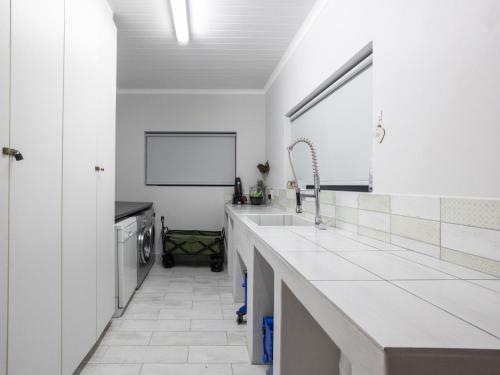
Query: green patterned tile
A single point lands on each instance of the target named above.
(491, 267)
(479, 213)
(416, 229)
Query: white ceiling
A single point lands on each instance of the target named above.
(235, 44)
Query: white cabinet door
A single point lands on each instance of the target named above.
(81, 116)
(34, 337)
(4, 175)
(106, 257)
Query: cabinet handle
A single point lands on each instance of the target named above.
(12, 152)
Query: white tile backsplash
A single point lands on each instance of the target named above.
(460, 230)
(375, 202)
(346, 226)
(290, 194)
(489, 266)
(346, 214)
(328, 210)
(327, 197)
(419, 246)
(481, 242)
(375, 220)
(347, 199)
(417, 229)
(309, 205)
(416, 206)
(375, 234)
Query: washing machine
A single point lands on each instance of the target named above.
(126, 262)
(146, 234)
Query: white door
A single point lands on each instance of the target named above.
(4, 175)
(34, 336)
(81, 112)
(106, 257)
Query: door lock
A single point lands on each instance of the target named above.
(12, 152)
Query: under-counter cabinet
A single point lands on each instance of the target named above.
(57, 107)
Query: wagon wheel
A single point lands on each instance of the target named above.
(168, 260)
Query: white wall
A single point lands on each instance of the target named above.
(436, 78)
(186, 207)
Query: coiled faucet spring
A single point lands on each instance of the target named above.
(314, 154)
(317, 185)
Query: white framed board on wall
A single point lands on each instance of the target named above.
(190, 158)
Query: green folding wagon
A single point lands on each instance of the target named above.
(193, 243)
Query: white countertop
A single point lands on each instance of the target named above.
(398, 298)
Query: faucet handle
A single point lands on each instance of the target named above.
(298, 197)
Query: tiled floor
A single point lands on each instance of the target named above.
(181, 322)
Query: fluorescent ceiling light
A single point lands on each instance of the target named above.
(181, 24)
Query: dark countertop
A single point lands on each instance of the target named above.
(124, 210)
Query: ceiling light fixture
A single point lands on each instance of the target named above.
(181, 23)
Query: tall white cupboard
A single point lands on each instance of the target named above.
(57, 107)
(4, 173)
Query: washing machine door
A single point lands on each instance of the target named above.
(146, 245)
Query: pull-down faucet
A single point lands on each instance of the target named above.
(299, 194)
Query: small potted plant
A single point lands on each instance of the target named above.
(257, 193)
